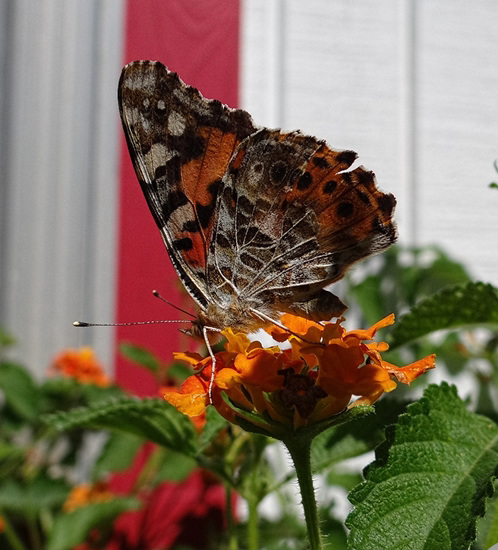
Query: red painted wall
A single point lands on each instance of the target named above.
(199, 39)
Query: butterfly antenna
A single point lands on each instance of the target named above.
(157, 295)
(154, 322)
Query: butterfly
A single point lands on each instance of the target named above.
(256, 221)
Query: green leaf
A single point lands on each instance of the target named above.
(214, 423)
(41, 492)
(354, 438)
(6, 340)
(71, 529)
(461, 305)
(369, 297)
(174, 467)
(430, 479)
(150, 418)
(118, 453)
(20, 391)
(487, 527)
(141, 356)
(11, 458)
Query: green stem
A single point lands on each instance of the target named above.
(300, 451)
(252, 524)
(33, 531)
(11, 535)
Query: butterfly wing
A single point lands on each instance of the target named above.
(180, 144)
(290, 220)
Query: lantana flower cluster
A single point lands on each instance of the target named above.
(82, 365)
(325, 370)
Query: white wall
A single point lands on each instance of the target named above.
(61, 61)
(411, 85)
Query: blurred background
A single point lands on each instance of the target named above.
(410, 85)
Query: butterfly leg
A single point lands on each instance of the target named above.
(205, 331)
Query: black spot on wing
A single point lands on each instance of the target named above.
(386, 204)
(363, 197)
(304, 181)
(347, 178)
(191, 226)
(366, 178)
(175, 199)
(345, 209)
(347, 157)
(205, 211)
(160, 172)
(183, 244)
(222, 241)
(278, 171)
(320, 162)
(330, 187)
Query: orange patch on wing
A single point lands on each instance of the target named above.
(196, 256)
(199, 173)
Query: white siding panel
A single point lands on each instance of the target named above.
(58, 249)
(458, 132)
(410, 85)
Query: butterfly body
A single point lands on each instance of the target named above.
(256, 221)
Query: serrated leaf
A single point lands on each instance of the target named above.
(430, 479)
(461, 305)
(150, 418)
(487, 527)
(71, 529)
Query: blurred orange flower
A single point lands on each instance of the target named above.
(82, 365)
(317, 377)
(87, 493)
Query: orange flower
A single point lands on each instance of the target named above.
(86, 493)
(325, 370)
(81, 365)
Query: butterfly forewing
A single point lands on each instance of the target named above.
(180, 144)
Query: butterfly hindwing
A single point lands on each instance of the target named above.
(291, 219)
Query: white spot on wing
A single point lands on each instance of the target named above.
(176, 123)
(158, 155)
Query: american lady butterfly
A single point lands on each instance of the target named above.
(256, 221)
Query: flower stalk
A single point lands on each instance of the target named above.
(300, 451)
